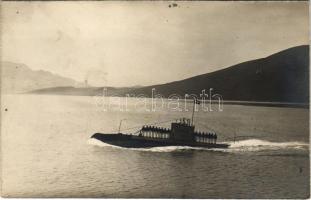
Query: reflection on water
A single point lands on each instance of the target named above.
(47, 152)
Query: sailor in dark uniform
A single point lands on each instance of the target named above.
(213, 138)
(202, 137)
(208, 138)
(161, 132)
(196, 136)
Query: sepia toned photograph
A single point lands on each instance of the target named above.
(155, 99)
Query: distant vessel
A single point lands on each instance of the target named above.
(181, 133)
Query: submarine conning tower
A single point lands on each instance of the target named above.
(182, 130)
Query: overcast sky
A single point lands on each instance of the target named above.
(143, 43)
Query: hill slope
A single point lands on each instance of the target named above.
(281, 77)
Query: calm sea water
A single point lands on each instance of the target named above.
(47, 152)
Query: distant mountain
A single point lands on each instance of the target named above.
(281, 77)
(17, 78)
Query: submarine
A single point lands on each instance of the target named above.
(181, 133)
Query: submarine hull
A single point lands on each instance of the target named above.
(133, 141)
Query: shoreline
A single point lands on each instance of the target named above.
(227, 102)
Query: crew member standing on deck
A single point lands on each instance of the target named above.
(209, 136)
(212, 138)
